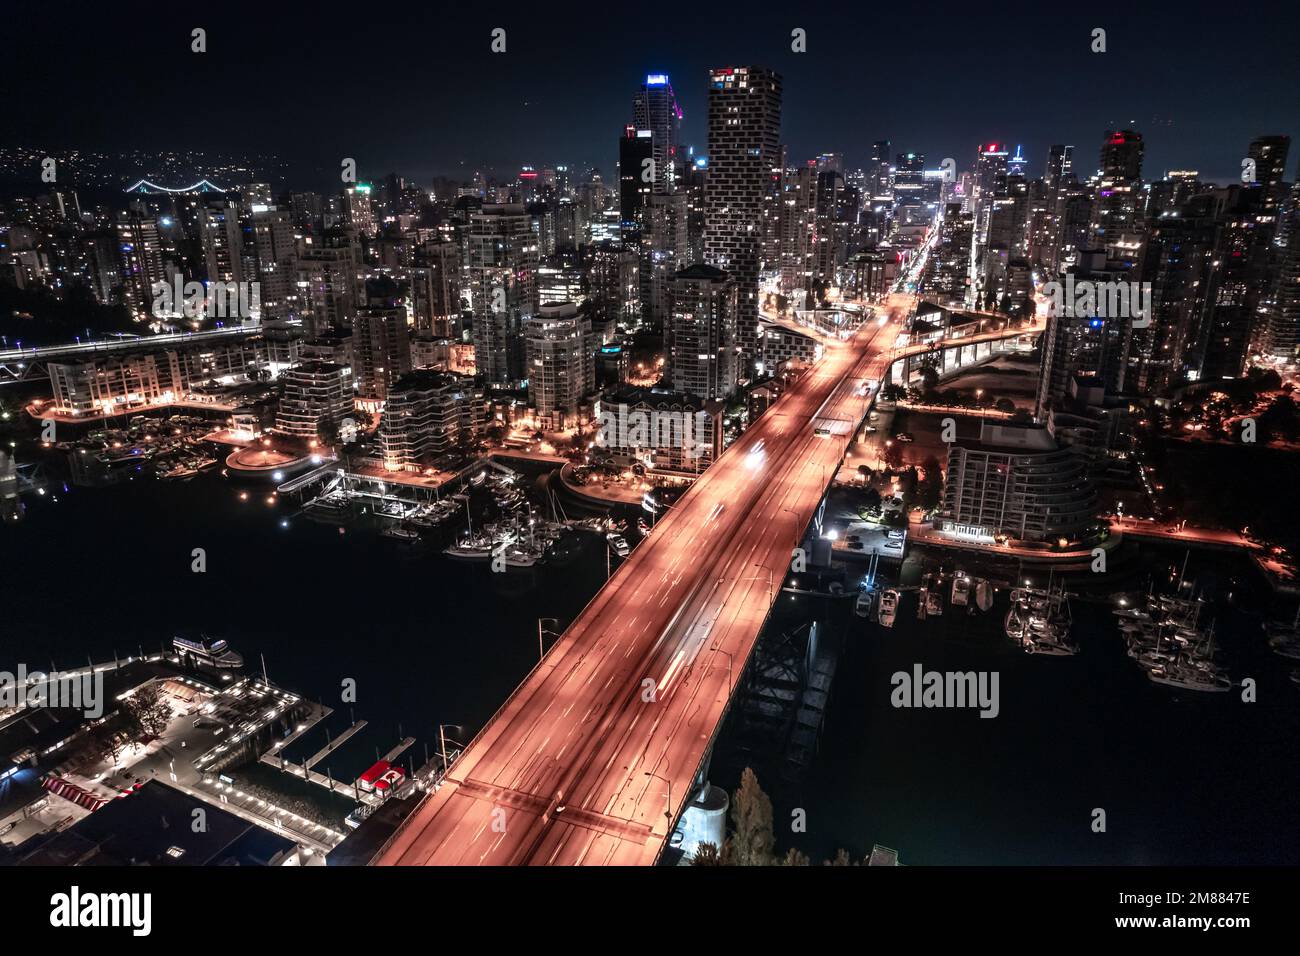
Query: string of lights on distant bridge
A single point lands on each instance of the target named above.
(203, 185)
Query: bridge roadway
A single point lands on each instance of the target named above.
(18, 364)
(593, 756)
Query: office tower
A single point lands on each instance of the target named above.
(654, 108)
(744, 148)
(1178, 263)
(949, 264)
(501, 266)
(637, 171)
(325, 294)
(1060, 166)
(879, 173)
(255, 194)
(702, 355)
(1046, 214)
(1269, 154)
(381, 344)
(909, 182)
(317, 397)
(1283, 341)
(358, 212)
(1239, 284)
(1005, 243)
(222, 242)
(693, 183)
(1085, 344)
(1016, 164)
(990, 181)
(435, 280)
(1015, 481)
(602, 266)
(140, 253)
(665, 247)
(798, 229)
(560, 279)
(308, 210)
(1118, 209)
(831, 237)
(561, 363)
(274, 245)
(1166, 195)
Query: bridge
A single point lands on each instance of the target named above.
(593, 758)
(964, 345)
(19, 364)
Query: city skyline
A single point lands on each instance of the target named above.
(650, 437)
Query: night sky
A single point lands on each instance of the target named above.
(417, 91)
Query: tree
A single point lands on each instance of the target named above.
(929, 376)
(842, 858)
(706, 854)
(752, 841)
(794, 858)
(893, 392)
(931, 488)
(894, 455)
(148, 709)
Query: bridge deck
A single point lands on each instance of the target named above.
(578, 764)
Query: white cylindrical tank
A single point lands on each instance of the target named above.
(705, 820)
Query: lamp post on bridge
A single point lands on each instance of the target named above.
(540, 621)
(668, 806)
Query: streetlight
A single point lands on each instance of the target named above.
(668, 806)
(442, 743)
(540, 621)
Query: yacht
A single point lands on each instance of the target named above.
(209, 651)
(619, 544)
(1039, 620)
(472, 547)
(961, 590)
(1189, 676)
(862, 606)
(888, 608)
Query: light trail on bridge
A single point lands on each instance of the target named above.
(593, 757)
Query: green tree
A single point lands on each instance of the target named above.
(794, 858)
(706, 854)
(148, 710)
(931, 488)
(752, 841)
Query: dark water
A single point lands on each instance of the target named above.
(427, 639)
(1183, 777)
